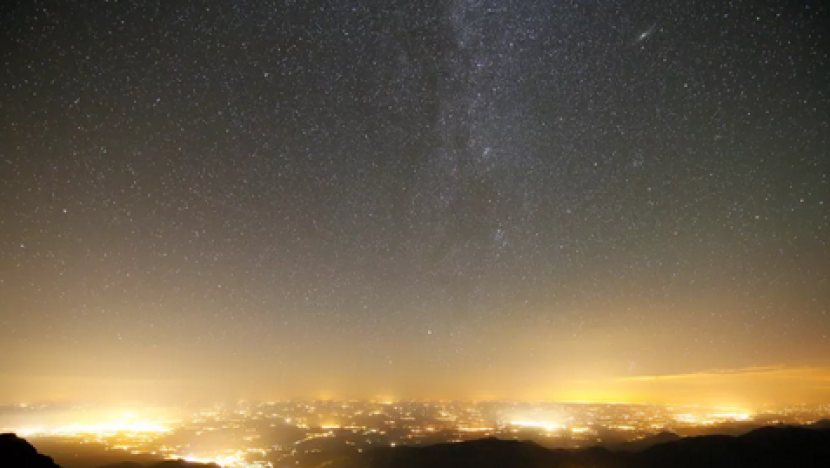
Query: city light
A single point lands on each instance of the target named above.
(546, 425)
(99, 429)
(242, 434)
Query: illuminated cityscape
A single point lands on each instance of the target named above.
(291, 434)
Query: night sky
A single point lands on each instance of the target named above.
(598, 200)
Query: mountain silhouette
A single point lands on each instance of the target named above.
(647, 442)
(18, 453)
(821, 424)
(766, 447)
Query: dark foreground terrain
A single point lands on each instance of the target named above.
(767, 447)
(785, 447)
(16, 452)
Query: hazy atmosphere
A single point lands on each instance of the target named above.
(525, 200)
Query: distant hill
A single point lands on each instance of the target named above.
(822, 424)
(642, 444)
(483, 453)
(770, 447)
(767, 447)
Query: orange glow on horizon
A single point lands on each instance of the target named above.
(732, 387)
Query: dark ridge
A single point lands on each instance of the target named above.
(769, 447)
(822, 424)
(766, 447)
(17, 452)
(483, 453)
(647, 442)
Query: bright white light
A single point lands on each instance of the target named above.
(733, 416)
(546, 425)
(134, 427)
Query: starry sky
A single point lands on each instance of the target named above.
(598, 200)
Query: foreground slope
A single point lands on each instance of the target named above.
(17, 452)
(769, 447)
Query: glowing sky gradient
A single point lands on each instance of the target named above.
(616, 201)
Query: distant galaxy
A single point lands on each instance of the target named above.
(645, 34)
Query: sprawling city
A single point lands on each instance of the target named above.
(307, 434)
